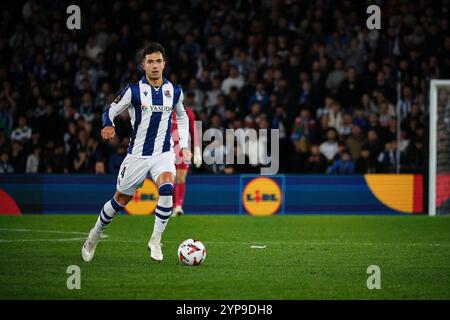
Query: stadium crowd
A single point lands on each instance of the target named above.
(311, 69)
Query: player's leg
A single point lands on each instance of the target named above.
(109, 210)
(163, 172)
(162, 213)
(131, 176)
(179, 191)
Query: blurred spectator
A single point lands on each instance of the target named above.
(365, 163)
(316, 162)
(58, 162)
(336, 76)
(70, 139)
(260, 95)
(68, 112)
(92, 49)
(81, 164)
(22, 133)
(190, 48)
(343, 165)
(329, 148)
(303, 134)
(6, 118)
(372, 144)
(360, 119)
(33, 161)
(234, 80)
(415, 157)
(5, 164)
(335, 118)
(385, 116)
(116, 159)
(86, 109)
(18, 157)
(347, 125)
(406, 101)
(389, 159)
(355, 141)
(367, 105)
(213, 93)
(99, 167)
(94, 152)
(350, 90)
(198, 96)
(305, 98)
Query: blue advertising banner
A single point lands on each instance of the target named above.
(205, 194)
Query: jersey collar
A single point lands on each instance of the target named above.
(144, 80)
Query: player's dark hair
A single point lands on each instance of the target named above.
(152, 48)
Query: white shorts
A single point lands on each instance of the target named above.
(134, 170)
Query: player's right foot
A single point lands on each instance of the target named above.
(88, 250)
(155, 250)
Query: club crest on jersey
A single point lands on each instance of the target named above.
(167, 93)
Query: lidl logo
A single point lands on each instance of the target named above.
(144, 199)
(262, 197)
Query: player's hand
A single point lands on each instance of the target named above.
(108, 133)
(187, 155)
(197, 157)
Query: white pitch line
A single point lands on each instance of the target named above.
(312, 243)
(45, 231)
(40, 240)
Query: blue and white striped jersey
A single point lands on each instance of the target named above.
(150, 111)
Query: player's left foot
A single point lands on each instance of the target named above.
(88, 250)
(177, 211)
(155, 250)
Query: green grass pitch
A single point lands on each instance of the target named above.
(306, 257)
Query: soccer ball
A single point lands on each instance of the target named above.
(191, 252)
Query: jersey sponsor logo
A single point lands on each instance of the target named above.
(261, 197)
(146, 108)
(144, 200)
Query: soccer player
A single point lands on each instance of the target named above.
(150, 103)
(181, 166)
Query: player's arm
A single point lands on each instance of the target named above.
(195, 139)
(183, 127)
(122, 102)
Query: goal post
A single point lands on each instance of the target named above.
(439, 148)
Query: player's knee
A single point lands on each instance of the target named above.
(165, 189)
(123, 202)
(122, 199)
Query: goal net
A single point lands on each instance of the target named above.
(439, 152)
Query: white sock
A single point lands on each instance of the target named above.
(162, 214)
(109, 210)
